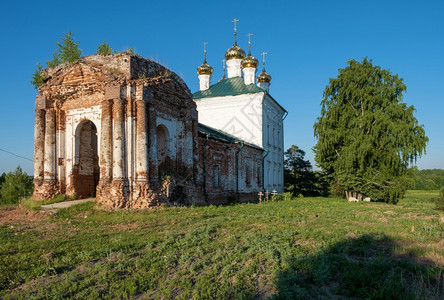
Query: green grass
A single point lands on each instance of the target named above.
(300, 248)
(30, 203)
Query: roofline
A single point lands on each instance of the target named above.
(236, 139)
(227, 95)
(267, 93)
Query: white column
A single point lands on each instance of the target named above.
(204, 81)
(234, 67)
(50, 146)
(264, 85)
(249, 75)
(39, 145)
(141, 142)
(118, 140)
(106, 142)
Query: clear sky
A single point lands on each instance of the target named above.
(306, 41)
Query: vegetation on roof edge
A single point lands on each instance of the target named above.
(68, 51)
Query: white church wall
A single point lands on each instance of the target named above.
(73, 118)
(239, 115)
(273, 137)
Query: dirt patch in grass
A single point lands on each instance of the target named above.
(125, 227)
(383, 220)
(414, 215)
(20, 215)
(351, 235)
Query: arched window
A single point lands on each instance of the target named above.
(163, 147)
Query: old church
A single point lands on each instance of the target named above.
(238, 106)
(128, 131)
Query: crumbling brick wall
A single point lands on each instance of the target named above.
(125, 97)
(222, 178)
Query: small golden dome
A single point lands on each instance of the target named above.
(263, 77)
(235, 52)
(204, 69)
(249, 61)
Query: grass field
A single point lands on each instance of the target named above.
(300, 248)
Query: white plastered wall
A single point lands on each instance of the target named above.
(172, 126)
(239, 115)
(73, 118)
(274, 143)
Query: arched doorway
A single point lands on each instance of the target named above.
(163, 148)
(87, 171)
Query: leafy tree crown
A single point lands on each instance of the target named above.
(366, 135)
(16, 185)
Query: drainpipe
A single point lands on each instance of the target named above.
(285, 115)
(263, 170)
(237, 170)
(205, 169)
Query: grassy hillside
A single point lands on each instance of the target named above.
(309, 247)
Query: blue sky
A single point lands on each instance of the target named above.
(306, 41)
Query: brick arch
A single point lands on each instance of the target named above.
(86, 172)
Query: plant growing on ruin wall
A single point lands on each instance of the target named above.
(104, 49)
(37, 77)
(67, 51)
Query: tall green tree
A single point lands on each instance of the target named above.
(2, 178)
(297, 171)
(367, 136)
(17, 184)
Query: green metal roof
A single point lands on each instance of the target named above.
(228, 87)
(222, 135)
(219, 134)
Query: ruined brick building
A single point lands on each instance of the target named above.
(125, 129)
(129, 132)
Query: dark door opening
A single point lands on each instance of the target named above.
(88, 172)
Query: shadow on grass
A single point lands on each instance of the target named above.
(364, 267)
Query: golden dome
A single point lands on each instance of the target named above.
(263, 77)
(249, 61)
(205, 69)
(235, 52)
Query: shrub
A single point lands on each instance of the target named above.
(282, 197)
(104, 49)
(66, 51)
(439, 202)
(38, 78)
(17, 185)
(59, 198)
